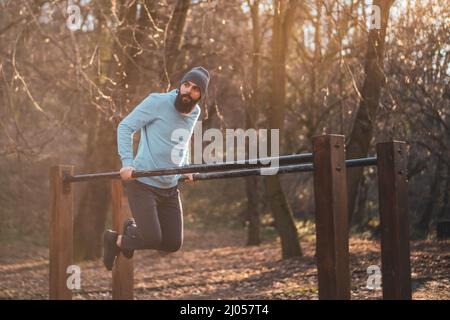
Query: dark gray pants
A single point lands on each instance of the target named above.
(158, 215)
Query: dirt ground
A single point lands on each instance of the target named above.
(215, 265)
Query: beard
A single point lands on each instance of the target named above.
(184, 103)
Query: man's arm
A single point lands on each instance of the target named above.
(143, 114)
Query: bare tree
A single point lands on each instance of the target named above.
(284, 13)
(251, 114)
(362, 132)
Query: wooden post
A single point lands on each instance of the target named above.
(393, 205)
(122, 274)
(330, 194)
(61, 232)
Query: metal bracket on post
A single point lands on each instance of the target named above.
(66, 184)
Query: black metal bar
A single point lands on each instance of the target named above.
(372, 161)
(246, 164)
(220, 167)
(249, 172)
(91, 176)
(197, 168)
(362, 162)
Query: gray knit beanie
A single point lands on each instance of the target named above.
(199, 76)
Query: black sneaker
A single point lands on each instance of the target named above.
(110, 248)
(127, 253)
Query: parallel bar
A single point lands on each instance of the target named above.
(221, 167)
(122, 274)
(250, 172)
(330, 190)
(394, 222)
(61, 233)
(91, 176)
(282, 170)
(246, 164)
(361, 162)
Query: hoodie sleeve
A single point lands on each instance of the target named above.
(142, 115)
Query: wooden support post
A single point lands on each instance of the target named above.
(393, 205)
(330, 194)
(122, 274)
(61, 232)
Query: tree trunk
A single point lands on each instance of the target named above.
(282, 25)
(253, 216)
(444, 213)
(362, 131)
(422, 227)
(96, 197)
(251, 183)
(173, 40)
(128, 70)
(102, 147)
(359, 219)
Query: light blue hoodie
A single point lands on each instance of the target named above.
(157, 118)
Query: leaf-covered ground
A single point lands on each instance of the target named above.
(215, 265)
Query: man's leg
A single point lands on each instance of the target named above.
(146, 233)
(170, 215)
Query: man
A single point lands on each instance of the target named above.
(155, 201)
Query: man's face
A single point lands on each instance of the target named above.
(187, 97)
(190, 92)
